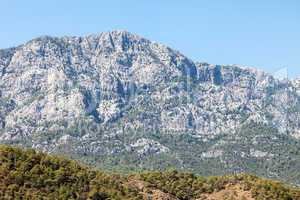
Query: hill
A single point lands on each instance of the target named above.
(27, 174)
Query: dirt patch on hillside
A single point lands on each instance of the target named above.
(229, 193)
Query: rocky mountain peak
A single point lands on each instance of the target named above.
(118, 94)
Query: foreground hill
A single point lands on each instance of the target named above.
(27, 174)
(117, 99)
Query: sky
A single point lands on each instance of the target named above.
(262, 34)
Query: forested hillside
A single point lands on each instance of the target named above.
(27, 174)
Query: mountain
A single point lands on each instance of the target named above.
(121, 102)
(33, 175)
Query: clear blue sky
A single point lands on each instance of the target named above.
(264, 34)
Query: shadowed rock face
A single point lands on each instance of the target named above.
(116, 93)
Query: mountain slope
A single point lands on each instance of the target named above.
(117, 100)
(32, 175)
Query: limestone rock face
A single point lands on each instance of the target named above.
(118, 94)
